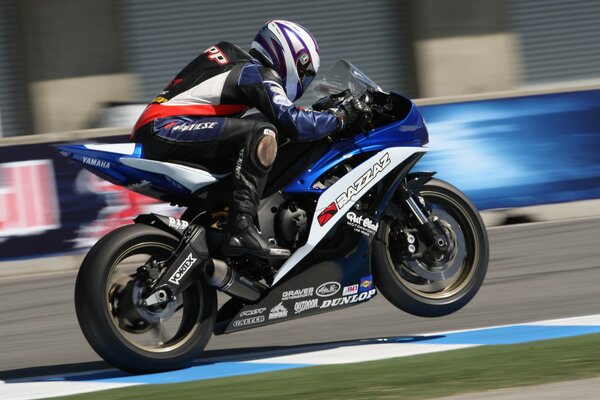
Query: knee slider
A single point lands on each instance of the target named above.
(266, 150)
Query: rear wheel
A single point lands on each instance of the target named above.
(110, 311)
(423, 284)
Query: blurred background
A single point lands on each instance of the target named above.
(510, 91)
(71, 65)
(64, 63)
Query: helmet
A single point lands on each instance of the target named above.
(292, 51)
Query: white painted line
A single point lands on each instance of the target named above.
(586, 320)
(385, 348)
(580, 320)
(361, 353)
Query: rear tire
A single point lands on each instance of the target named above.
(147, 347)
(416, 295)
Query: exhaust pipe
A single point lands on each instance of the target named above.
(221, 276)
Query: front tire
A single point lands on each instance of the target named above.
(395, 273)
(172, 339)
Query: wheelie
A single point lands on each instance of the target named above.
(342, 215)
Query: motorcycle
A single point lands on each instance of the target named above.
(356, 218)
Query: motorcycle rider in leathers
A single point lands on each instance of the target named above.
(198, 118)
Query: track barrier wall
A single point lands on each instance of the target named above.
(503, 153)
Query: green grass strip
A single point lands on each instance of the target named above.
(424, 376)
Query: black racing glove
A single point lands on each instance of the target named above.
(327, 102)
(323, 104)
(352, 113)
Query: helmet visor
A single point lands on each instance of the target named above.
(306, 71)
(307, 79)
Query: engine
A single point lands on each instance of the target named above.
(291, 225)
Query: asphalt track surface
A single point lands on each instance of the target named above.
(537, 271)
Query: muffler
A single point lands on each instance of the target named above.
(221, 276)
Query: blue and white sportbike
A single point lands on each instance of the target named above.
(355, 216)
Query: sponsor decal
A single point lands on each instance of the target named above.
(276, 88)
(304, 58)
(280, 97)
(238, 164)
(160, 100)
(282, 100)
(178, 223)
(269, 132)
(196, 126)
(366, 284)
(328, 289)
(249, 321)
(94, 162)
(363, 181)
(215, 54)
(340, 301)
(349, 290)
(255, 311)
(327, 214)
(183, 268)
(279, 311)
(362, 224)
(304, 305)
(139, 186)
(297, 294)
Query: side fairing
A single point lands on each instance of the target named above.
(335, 275)
(339, 198)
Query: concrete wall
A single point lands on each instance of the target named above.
(74, 103)
(74, 59)
(460, 47)
(463, 47)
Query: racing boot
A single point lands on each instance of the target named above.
(245, 239)
(250, 175)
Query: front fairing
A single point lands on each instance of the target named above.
(409, 131)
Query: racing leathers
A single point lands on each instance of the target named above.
(198, 119)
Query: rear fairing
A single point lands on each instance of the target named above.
(124, 165)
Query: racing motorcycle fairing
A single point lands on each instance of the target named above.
(337, 200)
(347, 206)
(331, 267)
(123, 164)
(408, 130)
(334, 273)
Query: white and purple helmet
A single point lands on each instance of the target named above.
(292, 51)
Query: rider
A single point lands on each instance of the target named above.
(198, 118)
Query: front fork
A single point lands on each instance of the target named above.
(430, 230)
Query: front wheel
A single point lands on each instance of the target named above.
(422, 285)
(113, 318)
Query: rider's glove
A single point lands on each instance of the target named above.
(329, 102)
(352, 112)
(323, 104)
